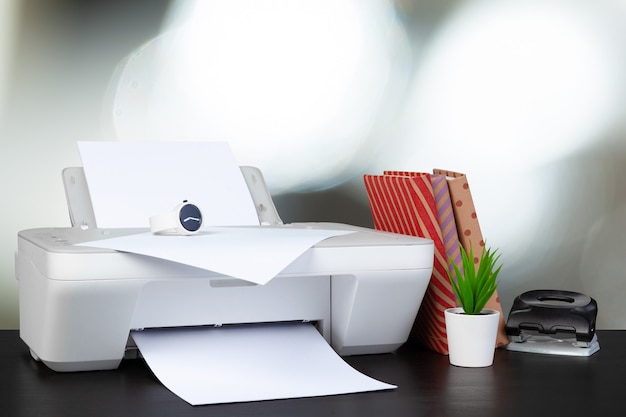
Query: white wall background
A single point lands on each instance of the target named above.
(526, 97)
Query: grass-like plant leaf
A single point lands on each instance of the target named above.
(474, 287)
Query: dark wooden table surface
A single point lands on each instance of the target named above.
(518, 384)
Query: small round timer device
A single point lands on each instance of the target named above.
(185, 219)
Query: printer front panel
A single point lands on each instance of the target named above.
(218, 301)
(75, 325)
(374, 311)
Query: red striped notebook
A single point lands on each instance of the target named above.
(406, 204)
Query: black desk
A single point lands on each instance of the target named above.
(518, 384)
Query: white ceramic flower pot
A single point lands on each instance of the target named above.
(471, 338)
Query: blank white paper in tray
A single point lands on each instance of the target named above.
(249, 363)
(131, 181)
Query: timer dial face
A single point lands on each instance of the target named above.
(190, 217)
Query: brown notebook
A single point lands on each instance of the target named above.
(469, 232)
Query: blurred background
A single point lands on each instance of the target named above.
(527, 98)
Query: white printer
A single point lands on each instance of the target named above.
(78, 305)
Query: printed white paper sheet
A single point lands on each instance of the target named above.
(249, 363)
(255, 254)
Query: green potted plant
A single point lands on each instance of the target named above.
(472, 329)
